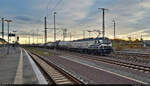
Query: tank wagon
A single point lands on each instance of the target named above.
(99, 46)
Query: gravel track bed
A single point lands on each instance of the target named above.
(132, 58)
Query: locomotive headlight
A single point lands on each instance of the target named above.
(104, 45)
(110, 44)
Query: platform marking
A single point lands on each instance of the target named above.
(104, 70)
(38, 73)
(19, 73)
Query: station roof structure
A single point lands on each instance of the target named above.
(2, 41)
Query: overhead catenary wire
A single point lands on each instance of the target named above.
(56, 5)
(46, 12)
(53, 8)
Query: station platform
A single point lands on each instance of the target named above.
(17, 67)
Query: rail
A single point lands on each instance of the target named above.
(56, 74)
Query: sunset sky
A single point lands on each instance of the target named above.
(132, 17)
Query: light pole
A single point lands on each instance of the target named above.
(33, 37)
(45, 24)
(114, 28)
(54, 34)
(2, 28)
(8, 22)
(29, 39)
(37, 36)
(114, 22)
(64, 34)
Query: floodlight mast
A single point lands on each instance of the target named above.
(8, 22)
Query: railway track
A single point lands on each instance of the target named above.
(135, 54)
(137, 67)
(132, 53)
(143, 58)
(54, 74)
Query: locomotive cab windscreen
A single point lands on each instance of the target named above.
(106, 41)
(103, 41)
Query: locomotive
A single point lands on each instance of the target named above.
(98, 46)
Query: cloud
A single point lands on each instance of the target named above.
(130, 15)
(23, 18)
(145, 4)
(69, 12)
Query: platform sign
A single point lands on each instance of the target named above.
(11, 34)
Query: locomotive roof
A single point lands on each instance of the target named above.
(90, 39)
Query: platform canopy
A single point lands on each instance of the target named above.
(2, 41)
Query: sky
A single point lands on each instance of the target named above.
(132, 18)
